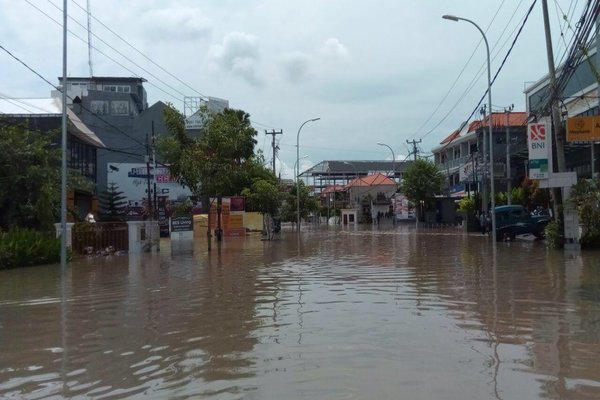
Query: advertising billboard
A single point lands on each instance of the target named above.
(132, 179)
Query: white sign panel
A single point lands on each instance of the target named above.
(132, 179)
(539, 144)
(466, 172)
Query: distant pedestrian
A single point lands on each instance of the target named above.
(483, 223)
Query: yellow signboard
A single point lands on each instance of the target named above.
(583, 129)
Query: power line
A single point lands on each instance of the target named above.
(70, 98)
(116, 51)
(502, 64)
(101, 52)
(471, 84)
(138, 51)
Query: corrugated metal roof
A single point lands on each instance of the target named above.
(48, 107)
(333, 167)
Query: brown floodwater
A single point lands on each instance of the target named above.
(374, 313)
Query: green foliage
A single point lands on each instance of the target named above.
(553, 235)
(112, 203)
(21, 247)
(518, 195)
(182, 209)
(467, 205)
(585, 196)
(501, 198)
(263, 196)
(308, 204)
(29, 177)
(422, 181)
(532, 195)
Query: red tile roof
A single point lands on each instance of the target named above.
(499, 120)
(451, 137)
(371, 180)
(332, 189)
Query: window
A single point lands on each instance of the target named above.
(99, 107)
(77, 86)
(117, 88)
(119, 107)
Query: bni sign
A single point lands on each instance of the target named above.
(539, 145)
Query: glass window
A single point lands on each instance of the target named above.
(119, 107)
(99, 107)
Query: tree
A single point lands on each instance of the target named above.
(29, 177)
(533, 195)
(112, 203)
(421, 182)
(308, 204)
(221, 161)
(263, 196)
(585, 195)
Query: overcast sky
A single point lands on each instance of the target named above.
(379, 71)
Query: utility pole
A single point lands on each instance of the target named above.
(273, 145)
(508, 183)
(148, 176)
(484, 170)
(155, 209)
(415, 150)
(556, 125)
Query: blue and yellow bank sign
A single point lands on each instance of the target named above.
(583, 129)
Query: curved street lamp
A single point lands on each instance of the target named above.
(393, 160)
(298, 171)
(491, 167)
(357, 177)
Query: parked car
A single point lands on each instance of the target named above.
(515, 220)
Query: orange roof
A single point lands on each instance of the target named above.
(332, 189)
(499, 120)
(451, 137)
(372, 180)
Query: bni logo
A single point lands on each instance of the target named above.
(537, 132)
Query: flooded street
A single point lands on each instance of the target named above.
(390, 313)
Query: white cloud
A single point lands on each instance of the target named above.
(180, 24)
(332, 49)
(239, 54)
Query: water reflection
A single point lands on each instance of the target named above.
(351, 313)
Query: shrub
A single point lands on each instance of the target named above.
(467, 205)
(553, 235)
(21, 247)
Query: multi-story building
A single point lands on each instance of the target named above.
(116, 109)
(578, 96)
(461, 155)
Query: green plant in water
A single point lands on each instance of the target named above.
(553, 235)
(21, 247)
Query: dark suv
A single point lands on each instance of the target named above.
(516, 220)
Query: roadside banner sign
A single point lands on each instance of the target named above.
(466, 172)
(539, 144)
(583, 129)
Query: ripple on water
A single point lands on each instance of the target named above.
(350, 314)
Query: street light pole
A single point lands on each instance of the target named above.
(393, 160)
(297, 171)
(491, 150)
(357, 187)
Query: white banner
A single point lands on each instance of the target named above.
(132, 179)
(465, 173)
(539, 145)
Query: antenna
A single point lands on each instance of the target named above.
(89, 29)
